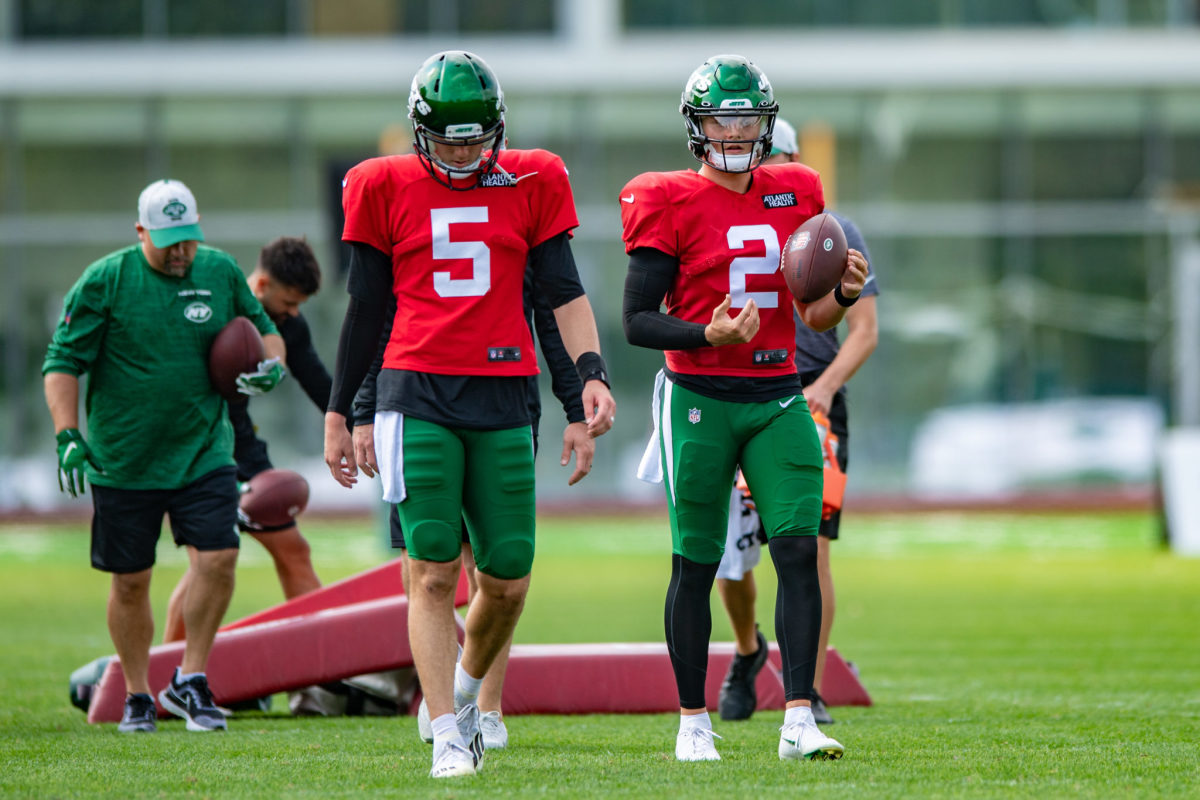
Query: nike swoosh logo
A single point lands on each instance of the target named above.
(70, 449)
(788, 402)
(627, 199)
(523, 177)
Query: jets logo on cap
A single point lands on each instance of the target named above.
(175, 210)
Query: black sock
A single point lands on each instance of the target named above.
(688, 621)
(797, 611)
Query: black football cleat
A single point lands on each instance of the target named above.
(738, 698)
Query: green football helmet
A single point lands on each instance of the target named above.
(456, 100)
(734, 92)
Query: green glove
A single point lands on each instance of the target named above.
(268, 376)
(73, 454)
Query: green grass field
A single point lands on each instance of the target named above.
(1008, 656)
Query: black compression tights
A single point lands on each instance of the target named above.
(797, 611)
(688, 620)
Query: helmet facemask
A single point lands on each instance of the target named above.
(464, 135)
(752, 130)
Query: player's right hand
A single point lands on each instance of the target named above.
(339, 450)
(73, 455)
(268, 375)
(364, 448)
(732, 330)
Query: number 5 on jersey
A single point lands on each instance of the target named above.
(481, 258)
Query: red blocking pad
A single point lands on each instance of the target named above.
(840, 685)
(381, 581)
(281, 655)
(615, 678)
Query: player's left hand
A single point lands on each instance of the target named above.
(73, 455)
(599, 408)
(818, 397)
(854, 280)
(266, 378)
(339, 450)
(577, 440)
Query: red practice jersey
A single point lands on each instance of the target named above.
(458, 257)
(726, 243)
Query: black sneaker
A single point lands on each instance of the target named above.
(140, 715)
(192, 700)
(738, 699)
(819, 711)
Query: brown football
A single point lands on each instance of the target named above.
(274, 497)
(237, 348)
(814, 258)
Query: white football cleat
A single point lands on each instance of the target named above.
(424, 726)
(803, 739)
(467, 719)
(453, 761)
(495, 734)
(696, 744)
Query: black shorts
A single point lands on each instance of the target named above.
(396, 530)
(250, 453)
(126, 523)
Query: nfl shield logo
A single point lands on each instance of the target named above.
(693, 415)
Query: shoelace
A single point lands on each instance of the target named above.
(452, 747)
(139, 706)
(199, 689)
(742, 665)
(799, 728)
(702, 736)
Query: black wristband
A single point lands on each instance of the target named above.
(590, 367)
(842, 300)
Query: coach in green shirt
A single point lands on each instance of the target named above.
(140, 322)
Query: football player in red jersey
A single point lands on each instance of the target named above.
(448, 231)
(707, 243)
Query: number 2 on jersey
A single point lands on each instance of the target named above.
(740, 267)
(481, 258)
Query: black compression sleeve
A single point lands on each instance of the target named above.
(688, 621)
(554, 272)
(369, 285)
(651, 275)
(305, 364)
(564, 380)
(797, 611)
(364, 399)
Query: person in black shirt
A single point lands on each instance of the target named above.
(287, 274)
